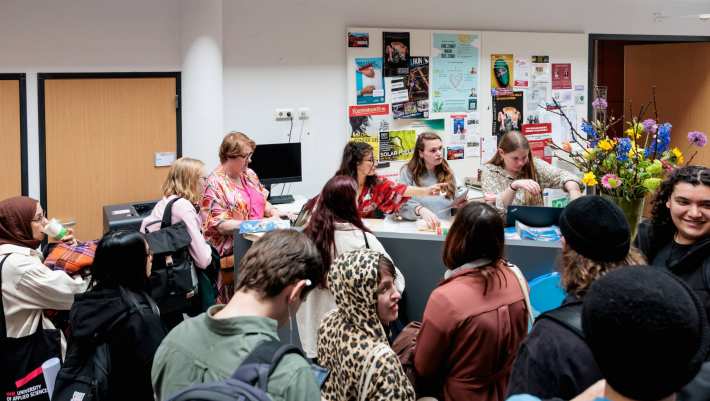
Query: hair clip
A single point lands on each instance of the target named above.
(308, 283)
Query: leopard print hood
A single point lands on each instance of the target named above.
(349, 333)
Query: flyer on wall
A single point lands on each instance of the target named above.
(522, 73)
(366, 123)
(398, 90)
(395, 53)
(539, 137)
(507, 112)
(358, 39)
(561, 76)
(536, 102)
(397, 145)
(417, 84)
(502, 71)
(455, 152)
(455, 72)
(369, 82)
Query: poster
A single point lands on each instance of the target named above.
(397, 145)
(540, 72)
(395, 53)
(502, 71)
(561, 76)
(454, 72)
(455, 152)
(507, 112)
(417, 84)
(563, 97)
(489, 147)
(473, 146)
(369, 83)
(539, 137)
(437, 126)
(398, 90)
(536, 102)
(459, 124)
(358, 39)
(522, 73)
(366, 122)
(579, 95)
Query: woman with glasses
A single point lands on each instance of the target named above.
(232, 195)
(185, 182)
(28, 286)
(376, 195)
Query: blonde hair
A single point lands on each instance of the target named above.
(579, 272)
(235, 144)
(510, 142)
(183, 179)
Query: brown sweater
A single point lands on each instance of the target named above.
(468, 340)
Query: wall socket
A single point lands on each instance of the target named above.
(304, 113)
(283, 114)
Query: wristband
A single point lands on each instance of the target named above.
(511, 186)
(417, 210)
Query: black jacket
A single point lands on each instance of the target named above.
(553, 362)
(133, 337)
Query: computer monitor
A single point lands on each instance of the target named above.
(277, 163)
(534, 216)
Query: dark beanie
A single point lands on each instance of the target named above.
(647, 331)
(596, 228)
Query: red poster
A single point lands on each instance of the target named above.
(369, 110)
(539, 137)
(561, 76)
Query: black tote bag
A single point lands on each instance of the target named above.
(21, 360)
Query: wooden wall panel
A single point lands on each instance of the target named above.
(10, 159)
(101, 136)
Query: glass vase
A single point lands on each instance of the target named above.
(632, 209)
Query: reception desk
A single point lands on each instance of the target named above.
(418, 256)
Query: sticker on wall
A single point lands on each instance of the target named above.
(395, 53)
(455, 152)
(358, 39)
(369, 82)
(502, 71)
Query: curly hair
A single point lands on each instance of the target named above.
(661, 222)
(579, 272)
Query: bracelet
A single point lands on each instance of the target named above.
(417, 210)
(511, 186)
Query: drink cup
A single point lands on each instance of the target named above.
(55, 229)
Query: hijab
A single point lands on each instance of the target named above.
(16, 216)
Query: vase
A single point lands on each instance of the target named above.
(632, 209)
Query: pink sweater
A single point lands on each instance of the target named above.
(183, 211)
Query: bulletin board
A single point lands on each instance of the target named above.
(468, 86)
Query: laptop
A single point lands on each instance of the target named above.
(534, 216)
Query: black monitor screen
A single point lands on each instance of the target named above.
(277, 162)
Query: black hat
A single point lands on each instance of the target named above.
(647, 331)
(596, 228)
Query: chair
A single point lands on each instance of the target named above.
(546, 293)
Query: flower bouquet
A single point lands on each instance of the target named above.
(625, 168)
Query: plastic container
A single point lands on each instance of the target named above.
(55, 229)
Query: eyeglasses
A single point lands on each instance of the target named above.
(246, 156)
(39, 217)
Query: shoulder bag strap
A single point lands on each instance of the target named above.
(3, 328)
(370, 365)
(524, 287)
(168, 214)
(364, 235)
(568, 316)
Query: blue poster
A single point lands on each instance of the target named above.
(454, 72)
(369, 82)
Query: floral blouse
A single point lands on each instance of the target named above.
(385, 195)
(495, 180)
(222, 200)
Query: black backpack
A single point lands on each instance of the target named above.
(85, 373)
(248, 382)
(173, 280)
(568, 316)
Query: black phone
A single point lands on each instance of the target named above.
(320, 374)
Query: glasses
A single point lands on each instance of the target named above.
(246, 156)
(39, 217)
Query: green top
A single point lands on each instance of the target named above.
(204, 349)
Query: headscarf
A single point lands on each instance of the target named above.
(16, 216)
(348, 334)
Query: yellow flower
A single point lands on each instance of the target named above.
(636, 151)
(589, 179)
(678, 155)
(606, 144)
(635, 131)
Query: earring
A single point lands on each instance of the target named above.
(290, 324)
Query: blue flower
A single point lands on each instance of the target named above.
(592, 135)
(661, 142)
(622, 149)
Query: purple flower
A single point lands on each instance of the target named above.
(600, 103)
(650, 125)
(697, 138)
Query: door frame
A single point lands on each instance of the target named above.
(592, 52)
(42, 77)
(22, 78)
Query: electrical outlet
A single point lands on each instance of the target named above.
(304, 113)
(283, 114)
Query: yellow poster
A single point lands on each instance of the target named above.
(373, 140)
(502, 71)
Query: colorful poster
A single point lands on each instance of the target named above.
(561, 76)
(522, 73)
(369, 83)
(539, 137)
(366, 122)
(358, 39)
(507, 112)
(417, 84)
(397, 145)
(454, 72)
(395, 53)
(502, 71)
(455, 152)
(459, 124)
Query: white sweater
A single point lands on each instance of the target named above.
(320, 301)
(28, 287)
